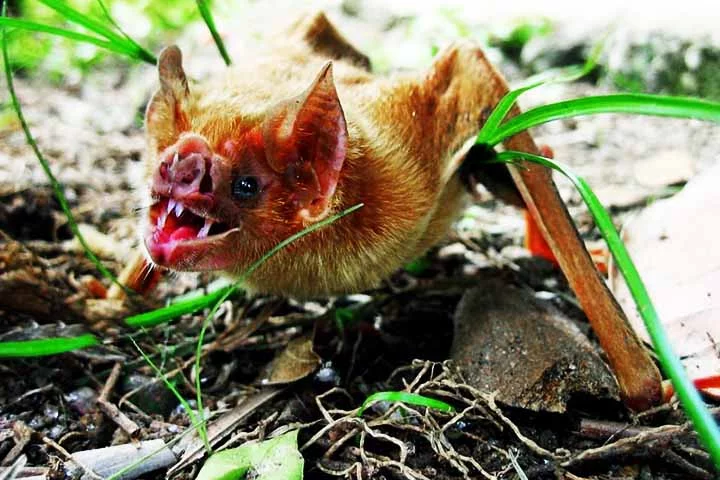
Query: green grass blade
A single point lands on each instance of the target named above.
(569, 74)
(687, 393)
(97, 27)
(46, 346)
(144, 54)
(405, 397)
(200, 421)
(60, 32)
(162, 315)
(635, 103)
(74, 16)
(210, 22)
(56, 186)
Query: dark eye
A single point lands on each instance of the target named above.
(245, 188)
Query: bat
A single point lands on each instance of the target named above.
(299, 131)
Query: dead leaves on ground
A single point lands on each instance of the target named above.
(674, 244)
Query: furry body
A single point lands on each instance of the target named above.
(405, 134)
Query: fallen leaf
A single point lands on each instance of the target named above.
(673, 243)
(274, 459)
(508, 341)
(296, 362)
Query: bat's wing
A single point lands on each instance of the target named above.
(449, 105)
(324, 39)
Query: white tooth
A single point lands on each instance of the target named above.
(179, 209)
(161, 220)
(171, 205)
(176, 157)
(203, 233)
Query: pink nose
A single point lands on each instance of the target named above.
(186, 168)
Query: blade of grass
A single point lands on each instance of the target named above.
(74, 16)
(200, 421)
(97, 27)
(46, 346)
(569, 74)
(405, 397)
(56, 186)
(245, 275)
(162, 315)
(78, 37)
(689, 397)
(147, 56)
(210, 22)
(635, 103)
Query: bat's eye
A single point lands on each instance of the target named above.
(245, 188)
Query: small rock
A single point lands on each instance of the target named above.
(82, 400)
(154, 398)
(508, 341)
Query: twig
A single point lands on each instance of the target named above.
(655, 437)
(69, 458)
(110, 409)
(683, 464)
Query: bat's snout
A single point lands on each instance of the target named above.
(185, 168)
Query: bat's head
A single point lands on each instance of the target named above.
(225, 188)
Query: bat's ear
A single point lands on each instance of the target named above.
(165, 115)
(306, 141)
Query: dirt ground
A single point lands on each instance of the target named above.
(400, 335)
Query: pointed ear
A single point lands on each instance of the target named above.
(165, 115)
(306, 141)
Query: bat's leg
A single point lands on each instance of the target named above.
(638, 377)
(476, 86)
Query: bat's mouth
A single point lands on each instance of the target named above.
(186, 238)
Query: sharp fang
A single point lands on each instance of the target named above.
(171, 205)
(176, 157)
(179, 209)
(203, 233)
(161, 220)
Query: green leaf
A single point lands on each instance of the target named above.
(274, 459)
(46, 346)
(564, 75)
(60, 32)
(208, 18)
(635, 103)
(418, 266)
(405, 397)
(162, 315)
(118, 39)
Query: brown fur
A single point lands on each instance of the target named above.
(408, 134)
(404, 133)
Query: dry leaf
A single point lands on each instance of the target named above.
(296, 362)
(674, 244)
